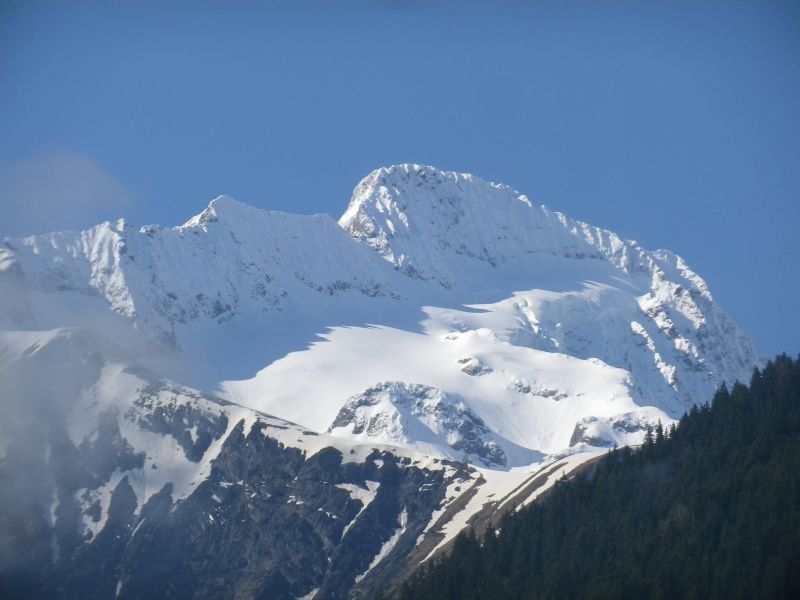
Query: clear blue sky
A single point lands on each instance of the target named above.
(676, 124)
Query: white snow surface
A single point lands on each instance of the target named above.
(551, 332)
(364, 495)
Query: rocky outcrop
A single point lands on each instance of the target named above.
(403, 413)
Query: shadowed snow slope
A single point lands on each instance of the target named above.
(538, 331)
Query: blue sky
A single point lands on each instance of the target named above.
(676, 124)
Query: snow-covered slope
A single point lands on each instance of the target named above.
(463, 232)
(544, 331)
(551, 331)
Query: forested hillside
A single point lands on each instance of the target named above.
(708, 509)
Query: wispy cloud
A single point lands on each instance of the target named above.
(57, 190)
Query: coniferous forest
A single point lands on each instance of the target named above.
(707, 509)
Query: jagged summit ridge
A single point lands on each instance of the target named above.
(427, 222)
(221, 205)
(234, 214)
(416, 216)
(229, 260)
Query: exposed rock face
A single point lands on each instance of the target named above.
(268, 522)
(472, 366)
(159, 411)
(596, 432)
(139, 488)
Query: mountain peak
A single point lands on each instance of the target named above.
(225, 202)
(221, 207)
(433, 224)
(401, 183)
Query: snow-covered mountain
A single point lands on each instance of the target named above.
(443, 322)
(536, 322)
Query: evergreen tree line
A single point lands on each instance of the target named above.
(707, 509)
